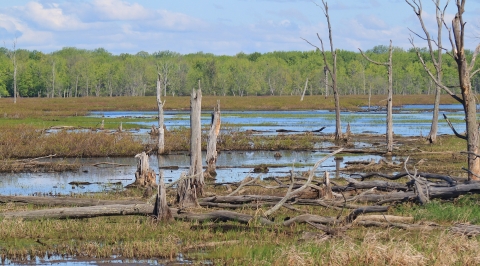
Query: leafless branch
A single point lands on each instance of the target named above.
(453, 129)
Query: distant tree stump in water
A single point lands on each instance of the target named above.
(144, 176)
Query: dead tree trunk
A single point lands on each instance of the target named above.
(161, 131)
(192, 187)
(389, 66)
(212, 143)
(161, 211)
(465, 73)
(144, 176)
(332, 71)
(304, 90)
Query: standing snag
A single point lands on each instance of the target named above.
(212, 155)
(192, 185)
(465, 73)
(144, 176)
(331, 70)
(389, 66)
(161, 130)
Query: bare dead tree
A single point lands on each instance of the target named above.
(436, 58)
(389, 66)
(332, 70)
(161, 131)
(465, 73)
(13, 56)
(212, 155)
(192, 187)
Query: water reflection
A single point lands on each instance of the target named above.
(232, 167)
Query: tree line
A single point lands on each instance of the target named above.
(73, 72)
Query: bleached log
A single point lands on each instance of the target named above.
(64, 201)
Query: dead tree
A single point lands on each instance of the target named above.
(144, 176)
(13, 57)
(465, 73)
(389, 66)
(211, 159)
(332, 70)
(192, 187)
(436, 58)
(304, 90)
(161, 131)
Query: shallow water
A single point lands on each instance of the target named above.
(409, 120)
(232, 167)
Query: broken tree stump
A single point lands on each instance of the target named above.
(211, 159)
(192, 187)
(144, 176)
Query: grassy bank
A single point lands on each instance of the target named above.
(233, 243)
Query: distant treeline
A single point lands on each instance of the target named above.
(73, 72)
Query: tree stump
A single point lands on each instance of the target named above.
(192, 186)
(144, 176)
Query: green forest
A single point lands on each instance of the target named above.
(73, 72)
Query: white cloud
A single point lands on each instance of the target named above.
(120, 10)
(50, 18)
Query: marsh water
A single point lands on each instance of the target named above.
(233, 166)
(411, 120)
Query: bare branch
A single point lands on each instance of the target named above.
(453, 129)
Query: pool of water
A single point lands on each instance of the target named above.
(232, 167)
(409, 120)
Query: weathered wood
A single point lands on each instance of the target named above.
(326, 191)
(161, 131)
(385, 218)
(144, 176)
(368, 209)
(161, 210)
(310, 218)
(223, 216)
(81, 212)
(64, 201)
(191, 188)
(466, 229)
(211, 159)
(380, 185)
(445, 178)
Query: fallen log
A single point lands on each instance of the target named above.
(368, 209)
(385, 218)
(368, 223)
(380, 185)
(449, 180)
(64, 201)
(469, 230)
(310, 218)
(80, 212)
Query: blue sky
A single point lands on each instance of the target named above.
(213, 26)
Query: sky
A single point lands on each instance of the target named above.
(225, 27)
